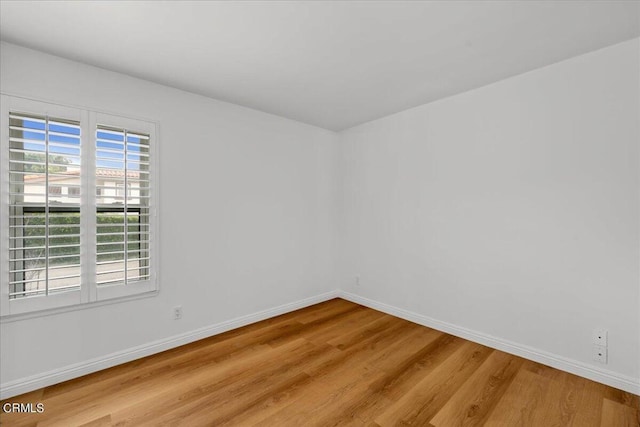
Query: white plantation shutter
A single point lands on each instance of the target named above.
(122, 226)
(78, 213)
(44, 225)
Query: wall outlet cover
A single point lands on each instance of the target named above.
(601, 336)
(600, 353)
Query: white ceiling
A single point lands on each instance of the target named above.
(330, 64)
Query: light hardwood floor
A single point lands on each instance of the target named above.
(335, 363)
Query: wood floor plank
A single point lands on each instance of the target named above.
(326, 398)
(618, 415)
(589, 407)
(332, 364)
(360, 348)
(344, 342)
(275, 402)
(560, 400)
(256, 398)
(398, 363)
(312, 326)
(334, 307)
(622, 397)
(475, 399)
(347, 325)
(521, 400)
(401, 368)
(100, 422)
(403, 376)
(215, 388)
(412, 342)
(420, 404)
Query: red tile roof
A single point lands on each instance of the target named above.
(102, 173)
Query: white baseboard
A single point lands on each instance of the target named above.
(630, 384)
(24, 385)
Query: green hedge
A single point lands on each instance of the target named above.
(34, 237)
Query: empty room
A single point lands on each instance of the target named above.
(320, 213)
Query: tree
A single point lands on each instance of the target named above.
(59, 160)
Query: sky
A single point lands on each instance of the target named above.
(64, 139)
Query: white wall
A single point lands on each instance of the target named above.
(511, 210)
(246, 214)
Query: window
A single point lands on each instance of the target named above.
(53, 189)
(62, 247)
(120, 189)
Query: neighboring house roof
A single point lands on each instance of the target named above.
(74, 174)
(113, 173)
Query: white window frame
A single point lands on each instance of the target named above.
(89, 292)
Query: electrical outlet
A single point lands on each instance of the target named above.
(177, 312)
(600, 337)
(600, 353)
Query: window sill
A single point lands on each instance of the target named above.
(76, 307)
